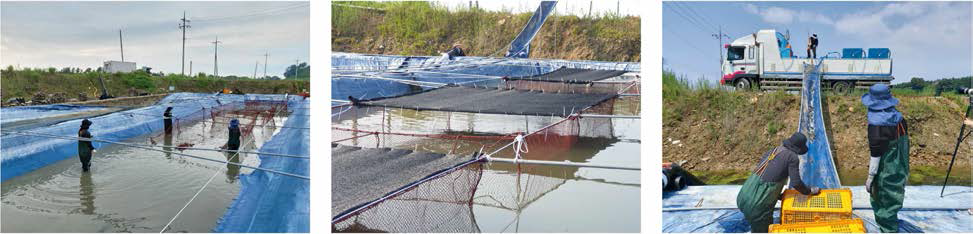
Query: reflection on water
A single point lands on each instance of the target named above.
(137, 190)
(87, 194)
(518, 198)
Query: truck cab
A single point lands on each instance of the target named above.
(766, 60)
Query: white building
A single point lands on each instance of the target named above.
(118, 66)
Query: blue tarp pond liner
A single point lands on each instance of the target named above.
(267, 202)
(270, 202)
(19, 113)
(348, 67)
(711, 208)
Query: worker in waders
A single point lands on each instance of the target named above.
(85, 148)
(888, 166)
(762, 189)
(233, 143)
(167, 120)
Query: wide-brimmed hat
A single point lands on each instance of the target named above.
(797, 143)
(879, 97)
(85, 123)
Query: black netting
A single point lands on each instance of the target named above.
(573, 75)
(439, 200)
(496, 101)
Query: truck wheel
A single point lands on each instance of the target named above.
(841, 87)
(743, 84)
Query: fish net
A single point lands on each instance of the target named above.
(444, 201)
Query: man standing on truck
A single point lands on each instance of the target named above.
(761, 191)
(888, 167)
(812, 46)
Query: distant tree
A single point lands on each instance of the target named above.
(917, 83)
(51, 70)
(87, 70)
(10, 68)
(301, 71)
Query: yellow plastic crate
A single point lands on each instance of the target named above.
(830, 204)
(846, 226)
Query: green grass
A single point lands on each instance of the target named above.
(425, 28)
(26, 82)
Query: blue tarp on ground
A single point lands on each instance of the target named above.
(712, 209)
(817, 165)
(270, 202)
(18, 113)
(22, 154)
(435, 70)
(520, 46)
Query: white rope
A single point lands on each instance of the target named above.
(217, 172)
(521, 146)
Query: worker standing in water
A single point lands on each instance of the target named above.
(233, 143)
(762, 189)
(888, 166)
(167, 120)
(85, 148)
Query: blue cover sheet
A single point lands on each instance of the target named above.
(270, 202)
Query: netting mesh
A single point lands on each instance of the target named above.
(557, 87)
(441, 204)
(445, 203)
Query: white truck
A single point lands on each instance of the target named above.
(766, 60)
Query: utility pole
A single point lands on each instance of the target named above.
(265, 64)
(719, 36)
(255, 64)
(190, 67)
(216, 51)
(591, 4)
(184, 25)
(120, 46)
(618, 7)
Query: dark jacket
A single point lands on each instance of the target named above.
(786, 164)
(234, 142)
(455, 51)
(814, 42)
(880, 136)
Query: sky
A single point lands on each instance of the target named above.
(563, 7)
(927, 39)
(85, 34)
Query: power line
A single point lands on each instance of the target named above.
(684, 40)
(689, 19)
(265, 12)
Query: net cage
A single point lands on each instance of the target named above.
(444, 202)
(251, 113)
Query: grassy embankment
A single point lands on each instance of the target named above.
(421, 28)
(27, 82)
(721, 133)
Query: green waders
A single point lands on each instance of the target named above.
(888, 186)
(757, 198)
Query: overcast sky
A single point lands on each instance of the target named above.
(927, 39)
(84, 34)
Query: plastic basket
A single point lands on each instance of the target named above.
(830, 204)
(846, 226)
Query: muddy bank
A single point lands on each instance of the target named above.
(721, 135)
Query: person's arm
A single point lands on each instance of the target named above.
(969, 122)
(86, 134)
(794, 172)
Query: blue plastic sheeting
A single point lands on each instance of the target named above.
(270, 202)
(784, 46)
(852, 53)
(817, 165)
(445, 73)
(712, 209)
(879, 53)
(22, 154)
(520, 46)
(14, 114)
